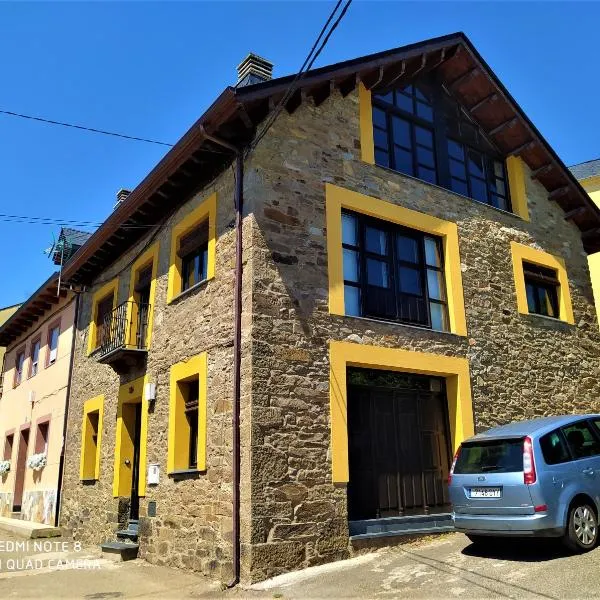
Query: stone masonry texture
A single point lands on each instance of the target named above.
(292, 515)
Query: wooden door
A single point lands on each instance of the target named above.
(21, 466)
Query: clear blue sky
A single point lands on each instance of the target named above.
(151, 69)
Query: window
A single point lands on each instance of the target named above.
(103, 303)
(554, 448)
(393, 273)
(193, 252)
(53, 335)
(422, 131)
(8, 446)
(581, 440)
(41, 437)
(193, 243)
(103, 320)
(19, 362)
(91, 434)
(541, 286)
(497, 456)
(187, 415)
(34, 357)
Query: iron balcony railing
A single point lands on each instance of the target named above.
(125, 328)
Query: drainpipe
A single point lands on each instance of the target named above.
(61, 465)
(237, 346)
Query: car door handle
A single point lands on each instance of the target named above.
(588, 471)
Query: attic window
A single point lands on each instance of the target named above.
(420, 130)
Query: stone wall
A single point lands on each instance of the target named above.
(193, 523)
(521, 366)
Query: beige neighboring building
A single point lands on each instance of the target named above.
(38, 339)
(5, 314)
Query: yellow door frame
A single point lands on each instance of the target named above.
(346, 354)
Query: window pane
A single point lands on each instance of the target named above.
(475, 163)
(389, 97)
(350, 265)
(380, 138)
(498, 169)
(548, 302)
(379, 118)
(403, 160)
(408, 249)
(457, 169)
(349, 230)
(375, 240)
(581, 441)
(435, 284)
(404, 102)
(425, 157)
(432, 252)
(439, 316)
(424, 111)
(499, 202)
(421, 95)
(497, 185)
(531, 297)
(553, 448)
(427, 175)
(460, 187)
(377, 273)
(424, 136)
(455, 150)
(409, 281)
(352, 300)
(401, 132)
(382, 158)
(478, 190)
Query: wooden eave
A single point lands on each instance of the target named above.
(234, 117)
(32, 310)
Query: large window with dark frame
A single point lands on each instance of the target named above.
(542, 287)
(422, 131)
(393, 273)
(193, 251)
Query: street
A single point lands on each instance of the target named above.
(441, 567)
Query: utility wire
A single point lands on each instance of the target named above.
(28, 220)
(84, 128)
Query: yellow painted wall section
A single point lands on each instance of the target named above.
(129, 394)
(338, 198)
(367, 145)
(522, 253)
(149, 256)
(99, 294)
(207, 210)
(594, 265)
(518, 190)
(345, 354)
(89, 467)
(177, 458)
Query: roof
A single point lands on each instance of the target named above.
(584, 170)
(36, 306)
(530, 427)
(69, 241)
(234, 116)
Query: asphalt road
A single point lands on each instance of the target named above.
(441, 567)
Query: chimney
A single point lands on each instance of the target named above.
(254, 69)
(122, 196)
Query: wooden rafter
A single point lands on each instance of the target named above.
(543, 170)
(522, 148)
(506, 125)
(575, 212)
(558, 192)
(464, 78)
(490, 98)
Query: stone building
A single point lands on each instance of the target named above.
(275, 362)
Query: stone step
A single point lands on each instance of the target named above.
(119, 551)
(405, 532)
(127, 534)
(133, 525)
(28, 529)
(400, 525)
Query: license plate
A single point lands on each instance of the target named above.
(486, 492)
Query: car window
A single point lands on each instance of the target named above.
(581, 440)
(495, 456)
(554, 448)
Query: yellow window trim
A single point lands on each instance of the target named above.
(149, 256)
(522, 253)
(130, 393)
(177, 456)
(88, 468)
(206, 210)
(514, 165)
(337, 198)
(594, 266)
(346, 354)
(100, 294)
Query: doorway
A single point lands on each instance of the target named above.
(20, 473)
(398, 444)
(129, 455)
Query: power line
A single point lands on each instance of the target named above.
(84, 128)
(30, 220)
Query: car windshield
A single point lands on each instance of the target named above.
(494, 456)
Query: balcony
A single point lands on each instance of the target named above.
(122, 336)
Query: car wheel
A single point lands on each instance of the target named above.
(582, 529)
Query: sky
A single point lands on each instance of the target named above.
(150, 69)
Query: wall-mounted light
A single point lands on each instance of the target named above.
(150, 394)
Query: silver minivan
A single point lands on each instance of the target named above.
(531, 478)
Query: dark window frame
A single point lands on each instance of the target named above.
(194, 260)
(18, 378)
(56, 325)
(30, 373)
(442, 121)
(545, 279)
(394, 263)
(191, 408)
